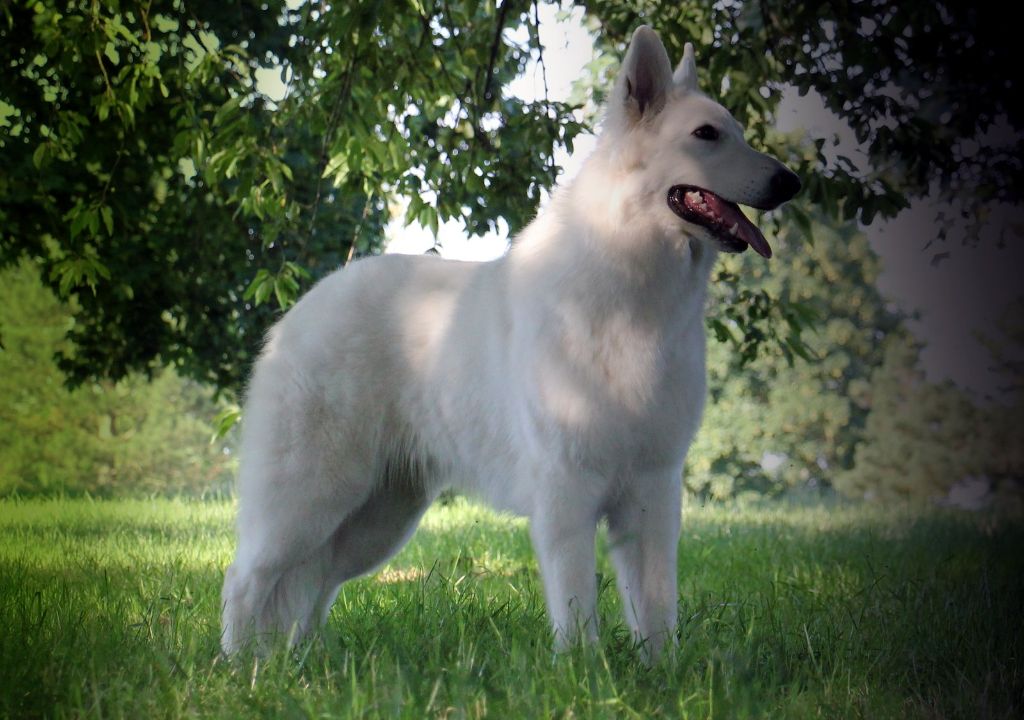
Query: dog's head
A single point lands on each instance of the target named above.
(692, 151)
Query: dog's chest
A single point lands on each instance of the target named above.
(621, 387)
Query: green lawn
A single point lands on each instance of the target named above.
(110, 609)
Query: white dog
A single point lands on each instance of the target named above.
(563, 381)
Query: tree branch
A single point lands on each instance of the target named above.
(495, 44)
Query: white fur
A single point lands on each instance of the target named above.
(563, 382)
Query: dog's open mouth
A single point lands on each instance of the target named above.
(721, 218)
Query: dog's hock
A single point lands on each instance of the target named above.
(646, 75)
(685, 76)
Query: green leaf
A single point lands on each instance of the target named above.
(298, 270)
(260, 287)
(721, 330)
(111, 52)
(227, 111)
(108, 219)
(79, 219)
(164, 23)
(42, 155)
(433, 222)
(337, 168)
(224, 421)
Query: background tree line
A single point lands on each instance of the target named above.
(140, 435)
(174, 208)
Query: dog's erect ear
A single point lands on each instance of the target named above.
(646, 76)
(686, 72)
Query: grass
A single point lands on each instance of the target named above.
(110, 609)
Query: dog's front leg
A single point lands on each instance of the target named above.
(563, 538)
(643, 530)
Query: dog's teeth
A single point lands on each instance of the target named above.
(734, 229)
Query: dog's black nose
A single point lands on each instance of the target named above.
(784, 184)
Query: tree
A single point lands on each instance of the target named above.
(153, 179)
(1003, 443)
(779, 421)
(928, 89)
(135, 436)
(922, 438)
(157, 181)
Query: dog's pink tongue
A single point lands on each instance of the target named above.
(746, 231)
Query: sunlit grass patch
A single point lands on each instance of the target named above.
(111, 609)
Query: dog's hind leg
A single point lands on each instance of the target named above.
(369, 537)
(289, 568)
(274, 586)
(295, 490)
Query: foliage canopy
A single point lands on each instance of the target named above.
(155, 173)
(149, 171)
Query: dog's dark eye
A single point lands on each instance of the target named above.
(706, 132)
